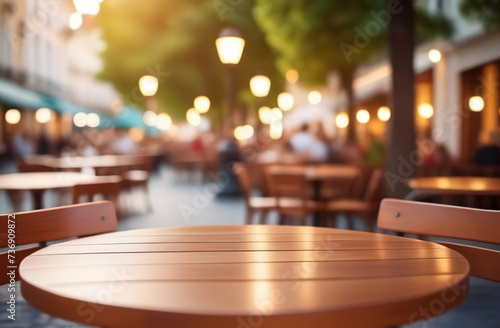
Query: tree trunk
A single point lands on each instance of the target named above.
(347, 80)
(402, 160)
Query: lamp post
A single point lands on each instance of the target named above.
(230, 46)
(148, 85)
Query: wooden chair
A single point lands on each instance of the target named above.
(138, 178)
(29, 168)
(42, 226)
(366, 208)
(253, 203)
(108, 186)
(292, 191)
(449, 221)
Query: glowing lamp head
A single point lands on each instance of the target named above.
(285, 101)
(75, 21)
(230, 46)
(476, 103)
(150, 118)
(363, 116)
(425, 110)
(434, 55)
(164, 122)
(43, 115)
(93, 120)
(292, 76)
(87, 7)
(80, 119)
(202, 104)
(260, 85)
(193, 117)
(314, 97)
(342, 120)
(265, 115)
(148, 85)
(384, 113)
(13, 116)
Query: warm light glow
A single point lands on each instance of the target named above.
(80, 119)
(193, 117)
(13, 116)
(425, 110)
(434, 55)
(342, 120)
(384, 113)
(265, 115)
(285, 101)
(202, 104)
(164, 121)
(93, 120)
(314, 97)
(276, 114)
(244, 132)
(292, 76)
(230, 46)
(136, 134)
(276, 129)
(43, 115)
(476, 103)
(148, 85)
(150, 118)
(363, 116)
(260, 85)
(75, 21)
(87, 7)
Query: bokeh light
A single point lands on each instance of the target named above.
(13, 116)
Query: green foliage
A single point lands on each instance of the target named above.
(485, 11)
(175, 40)
(315, 37)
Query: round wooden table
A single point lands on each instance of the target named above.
(79, 162)
(244, 276)
(430, 186)
(37, 182)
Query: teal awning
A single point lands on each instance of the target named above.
(14, 95)
(129, 117)
(62, 106)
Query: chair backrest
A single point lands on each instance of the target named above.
(243, 176)
(373, 185)
(52, 224)
(449, 221)
(109, 186)
(287, 182)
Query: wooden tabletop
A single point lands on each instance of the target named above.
(453, 185)
(78, 162)
(319, 172)
(42, 180)
(244, 276)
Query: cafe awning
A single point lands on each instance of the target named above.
(14, 95)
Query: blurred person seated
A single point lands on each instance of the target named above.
(306, 144)
(488, 151)
(43, 144)
(122, 144)
(21, 145)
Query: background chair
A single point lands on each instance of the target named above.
(366, 208)
(449, 221)
(138, 178)
(292, 191)
(253, 203)
(108, 186)
(58, 223)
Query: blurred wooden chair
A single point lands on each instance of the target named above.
(292, 191)
(42, 226)
(365, 208)
(108, 186)
(138, 178)
(30, 168)
(253, 203)
(452, 222)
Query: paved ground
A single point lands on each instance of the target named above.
(177, 201)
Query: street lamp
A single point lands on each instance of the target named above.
(285, 101)
(230, 46)
(148, 85)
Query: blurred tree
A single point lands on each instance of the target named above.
(175, 41)
(318, 37)
(485, 11)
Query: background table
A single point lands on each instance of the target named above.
(79, 162)
(244, 276)
(431, 186)
(40, 181)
